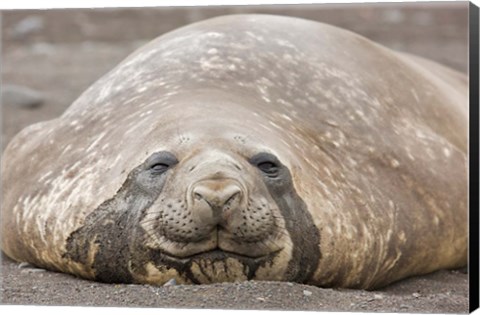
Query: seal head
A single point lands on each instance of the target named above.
(219, 213)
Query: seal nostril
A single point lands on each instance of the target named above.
(229, 200)
(216, 193)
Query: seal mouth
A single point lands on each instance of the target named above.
(218, 254)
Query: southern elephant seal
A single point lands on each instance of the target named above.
(248, 147)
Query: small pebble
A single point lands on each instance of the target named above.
(261, 299)
(21, 96)
(24, 265)
(33, 269)
(30, 24)
(378, 296)
(307, 293)
(416, 295)
(170, 282)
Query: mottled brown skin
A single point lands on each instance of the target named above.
(232, 149)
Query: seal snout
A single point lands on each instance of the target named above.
(214, 199)
(217, 194)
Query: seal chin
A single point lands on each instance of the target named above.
(215, 265)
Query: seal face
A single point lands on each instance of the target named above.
(231, 150)
(223, 215)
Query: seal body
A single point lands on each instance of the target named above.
(232, 149)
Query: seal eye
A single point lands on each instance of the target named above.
(160, 167)
(267, 163)
(268, 167)
(160, 162)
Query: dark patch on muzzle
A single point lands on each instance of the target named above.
(299, 224)
(112, 230)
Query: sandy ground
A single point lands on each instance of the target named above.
(440, 292)
(59, 54)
